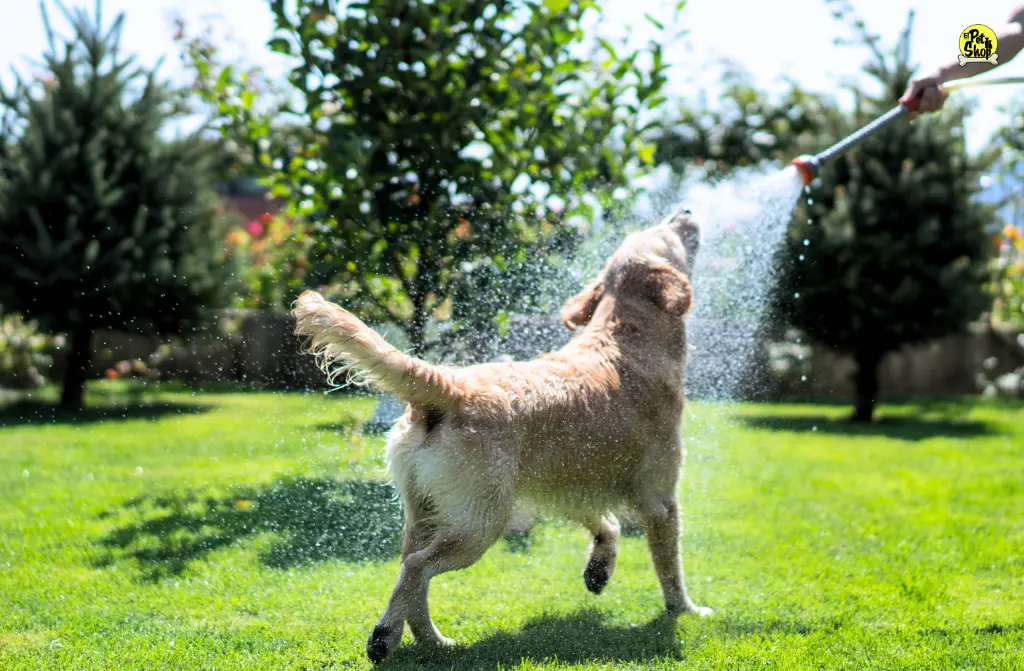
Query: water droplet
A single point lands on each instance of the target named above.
(25, 473)
(796, 295)
(801, 257)
(807, 242)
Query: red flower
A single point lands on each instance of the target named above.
(266, 218)
(254, 228)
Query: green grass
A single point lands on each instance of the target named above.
(257, 531)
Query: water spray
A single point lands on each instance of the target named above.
(807, 166)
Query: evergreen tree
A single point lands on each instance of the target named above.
(103, 224)
(893, 250)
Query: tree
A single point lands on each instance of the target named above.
(895, 251)
(443, 135)
(103, 224)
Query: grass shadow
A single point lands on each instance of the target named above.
(345, 426)
(910, 429)
(927, 404)
(517, 542)
(587, 638)
(577, 638)
(29, 413)
(311, 520)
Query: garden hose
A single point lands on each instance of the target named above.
(807, 166)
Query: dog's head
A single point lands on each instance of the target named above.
(649, 271)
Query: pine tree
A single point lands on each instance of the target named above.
(103, 224)
(893, 250)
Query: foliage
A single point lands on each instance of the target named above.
(1007, 183)
(440, 134)
(892, 249)
(273, 253)
(103, 224)
(26, 354)
(1008, 276)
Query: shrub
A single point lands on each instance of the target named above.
(26, 355)
(273, 254)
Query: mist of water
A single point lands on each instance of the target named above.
(743, 222)
(743, 225)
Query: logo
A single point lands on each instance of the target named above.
(978, 45)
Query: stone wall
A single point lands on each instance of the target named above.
(244, 346)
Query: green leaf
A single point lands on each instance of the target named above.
(654, 22)
(280, 45)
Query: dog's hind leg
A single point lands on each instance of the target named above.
(661, 522)
(420, 526)
(601, 563)
(448, 551)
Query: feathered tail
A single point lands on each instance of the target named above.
(344, 345)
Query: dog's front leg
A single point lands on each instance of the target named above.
(661, 524)
(601, 563)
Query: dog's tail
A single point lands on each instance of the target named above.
(344, 345)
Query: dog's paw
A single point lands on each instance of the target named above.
(382, 643)
(688, 609)
(596, 575)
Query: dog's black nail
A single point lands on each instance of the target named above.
(377, 647)
(595, 577)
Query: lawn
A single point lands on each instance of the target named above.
(257, 531)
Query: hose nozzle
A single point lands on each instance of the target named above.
(807, 167)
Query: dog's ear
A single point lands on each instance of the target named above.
(666, 287)
(580, 308)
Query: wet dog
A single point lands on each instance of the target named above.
(583, 431)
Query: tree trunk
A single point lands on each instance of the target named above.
(77, 369)
(417, 328)
(865, 382)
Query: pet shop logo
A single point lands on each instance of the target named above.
(978, 45)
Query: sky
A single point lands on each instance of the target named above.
(770, 39)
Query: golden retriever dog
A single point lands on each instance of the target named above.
(587, 430)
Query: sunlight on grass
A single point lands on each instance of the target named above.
(219, 530)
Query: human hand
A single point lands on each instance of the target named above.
(924, 95)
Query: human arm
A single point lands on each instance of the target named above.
(929, 87)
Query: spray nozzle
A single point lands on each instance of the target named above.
(807, 167)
